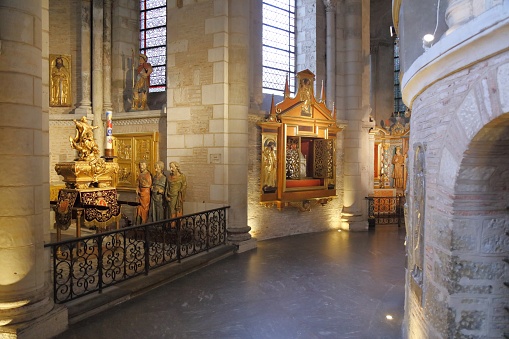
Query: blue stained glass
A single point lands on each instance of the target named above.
(153, 40)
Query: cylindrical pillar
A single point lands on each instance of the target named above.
(85, 104)
(25, 294)
(97, 71)
(107, 56)
(330, 91)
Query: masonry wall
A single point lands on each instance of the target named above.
(461, 124)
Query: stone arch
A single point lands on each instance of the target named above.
(476, 197)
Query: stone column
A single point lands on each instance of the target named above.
(237, 122)
(459, 12)
(85, 107)
(330, 9)
(97, 71)
(356, 108)
(26, 304)
(107, 56)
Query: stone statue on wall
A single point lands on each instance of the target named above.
(141, 84)
(176, 191)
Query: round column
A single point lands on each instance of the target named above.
(25, 293)
(330, 90)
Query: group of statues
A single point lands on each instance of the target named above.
(160, 197)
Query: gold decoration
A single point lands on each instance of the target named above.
(60, 80)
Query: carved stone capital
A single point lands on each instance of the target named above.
(330, 5)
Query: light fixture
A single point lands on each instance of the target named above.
(427, 41)
(393, 31)
(388, 317)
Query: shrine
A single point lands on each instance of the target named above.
(299, 149)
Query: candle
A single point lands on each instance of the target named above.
(109, 133)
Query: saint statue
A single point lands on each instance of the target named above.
(176, 192)
(398, 160)
(60, 84)
(157, 197)
(84, 141)
(143, 187)
(269, 165)
(142, 84)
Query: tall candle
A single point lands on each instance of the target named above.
(109, 133)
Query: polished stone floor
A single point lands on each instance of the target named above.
(322, 285)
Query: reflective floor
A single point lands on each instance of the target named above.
(322, 285)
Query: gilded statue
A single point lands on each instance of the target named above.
(142, 84)
(176, 191)
(60, 87)
(269, 165)
(398, 160)
(83, 140)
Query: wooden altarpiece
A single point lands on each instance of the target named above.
(298, 162)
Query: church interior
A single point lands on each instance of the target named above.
(298, 116)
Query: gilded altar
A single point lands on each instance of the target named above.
(84, 174)
(298, 155)
(90, 194)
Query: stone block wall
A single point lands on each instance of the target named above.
(462, 121)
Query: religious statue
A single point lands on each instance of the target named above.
(269, 165)
(142, 84)
(60, 94)
(398, 160)
(84, 141)
(176, 190)
(143, 187)
(157, 197)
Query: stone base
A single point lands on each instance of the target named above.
(347, 225)
(247, 245)
(46, 326)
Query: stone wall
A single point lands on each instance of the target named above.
(457, 202)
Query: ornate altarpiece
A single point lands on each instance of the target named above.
(130, 149)
(389, 136)
(298, 162)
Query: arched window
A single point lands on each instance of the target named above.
(153, 40)
(278, 45)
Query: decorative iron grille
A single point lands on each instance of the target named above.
(385, 210)
(89, 264)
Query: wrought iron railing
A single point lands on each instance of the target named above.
(385, 210)
(89, 264)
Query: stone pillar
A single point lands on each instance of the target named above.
(85, 107)
(237, 121)
(107, 56)
(97, 71)
(356, 108)
(330, 9)
(26, 304)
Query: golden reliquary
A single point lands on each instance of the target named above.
(298, 162)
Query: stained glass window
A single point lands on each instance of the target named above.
(399, 106)
(278, 45)
(153, 40)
